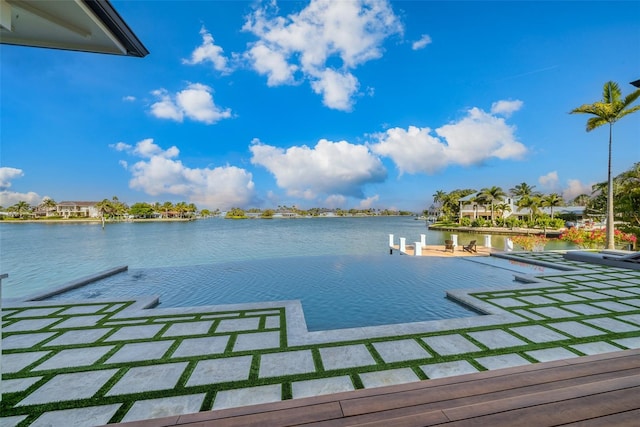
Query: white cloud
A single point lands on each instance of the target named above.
(335, 201)
(575, 188)
(474, 139)
(369, 202)
(506, 108)
(208, 51)
(421, 43)
(160, 172)
(195, 102)
(129, 98)
(7, 175)
(302, 44)
(549, 180)
(10, 198)
(329, 168)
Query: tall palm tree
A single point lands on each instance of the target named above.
(439, 197)
(522, 190)
(582, 200)
(609, 110)
(552, 200)
(530, 202)
(492, 195)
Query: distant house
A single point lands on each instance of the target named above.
(78, 209)
(474, 210)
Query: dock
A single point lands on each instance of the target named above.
(438, 250)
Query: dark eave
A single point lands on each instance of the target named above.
(112, 19)
(636, 83)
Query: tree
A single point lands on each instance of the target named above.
(552, 200)
(609, 110)
(105, 207)
(530, 202)
(141, 210)
(522, 190)
(581, 200)
(492, 196)
(22, 208)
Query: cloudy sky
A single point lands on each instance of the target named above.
(349, 104)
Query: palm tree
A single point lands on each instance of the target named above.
(22, 207)
(522, 190)
(501, 208)
(492, 196)
(552, 200)
(611, 109)
(581, 200)
(530, 202)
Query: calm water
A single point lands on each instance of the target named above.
(223, 261)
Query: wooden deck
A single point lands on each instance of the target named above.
(601, 390)
(439, 251)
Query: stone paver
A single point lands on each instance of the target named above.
(35, 312)
(24, 340)
(591, 295)
(538, 333)
(397, 351)
(215, 371)
(390, 377)
(585, 309)
(502, 361)
(82, 309)
(164, 407)
(140, 351)
(615, 306)
(321, 386)
(537, 300)
(127, 333)
(201, 346)
(188, 328)
(633, 318)
(549, 354)
(84, 336)
(595, 347)
(450, 344)
(633, 342)
(19, 384)
(349, 356)
(507, 302)
(272, 322)
(77, 417)
(553, 312)
(148, 378)
(237, 325)
(80, 321)
(496, 339)
(612, 325)
(566, 297)
(448, 369)
(12, 421)
(286, 363)
(77, 385)
(576, 329)
(29, 325)
(15, 362)
(248, 396)
(257, 341)
(74, 357)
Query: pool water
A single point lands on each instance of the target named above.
(336, 292)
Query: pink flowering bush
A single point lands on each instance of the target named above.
(530, 242)
(595, 239)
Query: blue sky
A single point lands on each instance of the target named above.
(349, 104)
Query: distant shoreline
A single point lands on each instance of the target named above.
(91, 220)
(499, 230)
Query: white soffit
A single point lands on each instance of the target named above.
(58, 24)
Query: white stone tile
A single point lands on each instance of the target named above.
(77, 417)
(321, 386)
(83, 336)
(502, 361)
(400, 350)
(164, 407)
(286, 363)
(388, 377)
(74, 357)
(257, 341)
(248, 396)
(148, 378)
(188, 328)
(136, 352)
(349, 356)
(221, 370)
(549, 354)
(77, 385)
(538, 333)
(450, 344)
(15, 362)
(127, 333)
(595, 347)
(201, 346)
(237, 325)
(496, 338)
(448, 369)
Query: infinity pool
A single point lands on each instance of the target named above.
(335, 291)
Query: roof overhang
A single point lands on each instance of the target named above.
(636, 83)
(82, 25)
